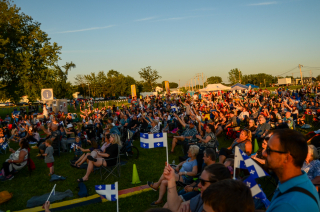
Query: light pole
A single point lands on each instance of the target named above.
(89, 90)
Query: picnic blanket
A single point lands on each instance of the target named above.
(40, 200)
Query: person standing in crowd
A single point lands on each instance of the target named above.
(48, 156)
(285, 154)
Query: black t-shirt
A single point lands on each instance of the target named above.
(132, 123)
(57, 135)
(112, 150)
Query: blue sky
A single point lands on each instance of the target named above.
(182, 38)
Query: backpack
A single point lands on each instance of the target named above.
(5, 196)
(31, 165)
(83, 192)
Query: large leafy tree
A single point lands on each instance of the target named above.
(234, 76)
(25, 54)
(150, 77)
(214, 80)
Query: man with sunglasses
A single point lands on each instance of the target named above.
(211, 174)
(285, 153)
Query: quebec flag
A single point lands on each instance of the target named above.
(174, 108)
(110, 192)
(4, 145)
(256, 190)
(149, 141)
(242, 161)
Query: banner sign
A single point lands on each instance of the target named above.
(166, 83)
(133, 91)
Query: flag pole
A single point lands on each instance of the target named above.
(117, 197)
(51, 192)
(236, 162)
(167, 150)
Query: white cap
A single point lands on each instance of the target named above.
(69, 125)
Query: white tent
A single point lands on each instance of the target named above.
(214, 87)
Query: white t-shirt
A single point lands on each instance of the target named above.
(45, 111)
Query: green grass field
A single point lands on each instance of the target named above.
(150, 165)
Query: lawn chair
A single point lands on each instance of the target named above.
(114, 170)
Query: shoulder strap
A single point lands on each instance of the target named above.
(301, 190)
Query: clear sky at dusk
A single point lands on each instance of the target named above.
(182, 38)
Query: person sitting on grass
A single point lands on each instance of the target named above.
(312, 165)
(111, 154)
(187, 135)
(76, 148)
(192, 190)
(53, 135)
(95, 147)
(17, 160)
(48, 156)
(243, 142)
(228, 195)
(185, 174)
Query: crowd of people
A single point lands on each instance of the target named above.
(262, 124)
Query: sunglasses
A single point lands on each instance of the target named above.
(203, 182)
(268, 151)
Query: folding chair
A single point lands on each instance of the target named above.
(114, 170)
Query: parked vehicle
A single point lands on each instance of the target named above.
(9, 104)
(22, 103)
(122, 97)
(3, 104)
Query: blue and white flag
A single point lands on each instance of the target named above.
(174, 108)
(242, 161)
(110, 191)
(149, 141)
(61, 123)
(256, 191)
(4, 145)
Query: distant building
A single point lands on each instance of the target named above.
(306, 80)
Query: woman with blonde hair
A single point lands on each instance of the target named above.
(312, 165)
(243, 142)
(189, 169)
(111, 154)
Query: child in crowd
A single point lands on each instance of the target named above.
(49, 160)
(76, 147)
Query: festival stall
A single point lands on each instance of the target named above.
(239, 86)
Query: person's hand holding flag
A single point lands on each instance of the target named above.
(169, 173)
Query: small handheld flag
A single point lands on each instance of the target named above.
(110, 192)
(53, 191)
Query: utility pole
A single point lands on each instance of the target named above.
(293, 80)
(191, 85)
(179, 84)
(89, 90)
(202, 81)
(310, 73)
(301, 73)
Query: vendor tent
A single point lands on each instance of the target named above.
(239, 86)
(214, 87)
(252, 86)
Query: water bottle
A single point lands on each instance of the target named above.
(173, 162)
